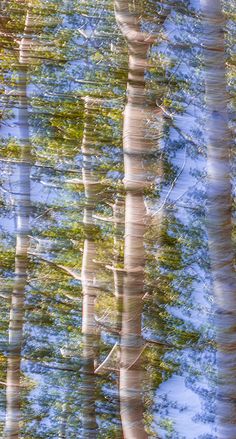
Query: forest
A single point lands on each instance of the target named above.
(117, 223)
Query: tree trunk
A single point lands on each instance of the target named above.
(219, 217)
(136, 146)
(89, 327)
(22, 206)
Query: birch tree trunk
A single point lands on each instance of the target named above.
(22, 207)
(89, 327)
(135, 146)
(219, 221)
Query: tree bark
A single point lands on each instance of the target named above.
(22, 207)
(219, 216)
(136, 145)
(89, 326)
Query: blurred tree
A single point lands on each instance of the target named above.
(219, 216)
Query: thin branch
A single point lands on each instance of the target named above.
(172, 185)
(106, 359)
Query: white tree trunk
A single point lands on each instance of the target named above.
(91, 186)
(22, 206)
(219, 218)
(136, 146)
(89, 326)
